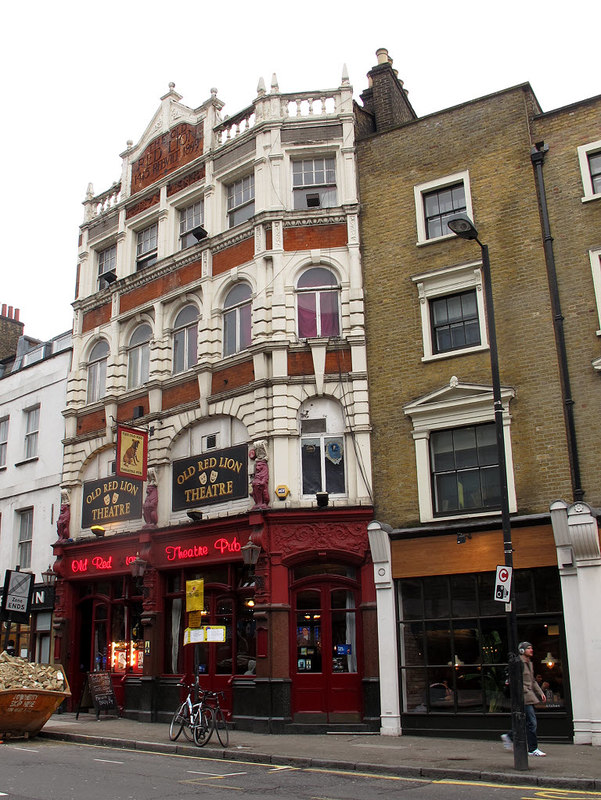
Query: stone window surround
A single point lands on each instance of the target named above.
(442, 283)
(583, 153)
(438, 412)
(440, 183)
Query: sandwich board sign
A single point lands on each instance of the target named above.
(503, 584)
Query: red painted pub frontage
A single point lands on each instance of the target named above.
(300, 626)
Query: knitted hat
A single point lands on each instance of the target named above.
(523, 646)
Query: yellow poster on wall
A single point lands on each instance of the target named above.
(195, 595)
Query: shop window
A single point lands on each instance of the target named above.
(314, 183)
(454, 662)
(317, 301)
(237, 319)
(138, 356)
(185, 339)
(97, 364)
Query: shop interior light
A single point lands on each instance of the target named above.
(549, 660)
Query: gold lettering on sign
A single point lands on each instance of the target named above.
(173, 149)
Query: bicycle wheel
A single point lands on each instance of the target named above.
(203, 726)
(179, 722)
(221, 728)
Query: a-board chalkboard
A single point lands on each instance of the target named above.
(99, 689)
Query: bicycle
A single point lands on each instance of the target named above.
(219, 722)
(191, 717)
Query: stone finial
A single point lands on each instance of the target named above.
(261, 88)
(274, 84)
(171, 86)
(345, 78)
(213, 93)
(454, 382)
(129, 144)
(90, 192)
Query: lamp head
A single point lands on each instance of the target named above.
(462, 225)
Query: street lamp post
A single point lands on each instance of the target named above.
(464, 227)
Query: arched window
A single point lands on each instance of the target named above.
(317, 303)
(97, 371)
(185, 339)
(322, 447)
(138, 356)
(236, 319)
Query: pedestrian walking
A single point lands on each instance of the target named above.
(532, 694)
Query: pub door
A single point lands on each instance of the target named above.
(216, 662)
(326, 684)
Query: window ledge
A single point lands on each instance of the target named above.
(3, 468)
(436, 239)
(590, 197)
(459, 352)
(473, 515)
(26, 461)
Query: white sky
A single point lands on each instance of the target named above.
(81, 78)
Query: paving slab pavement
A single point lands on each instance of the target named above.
(565, 766)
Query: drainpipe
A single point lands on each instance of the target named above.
(537, 156)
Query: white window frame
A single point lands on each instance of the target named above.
(147, 246)
(321, 190)
(25, 539)
(456, 405)
(32, 432)
(329, 412)
(138, 360)
(584, 151)
(107, 262)
(595, 257)
(233, 319)
(97, 369)
(230, 192)
(185, 336)
(442, 283)
(189, 219)
(431, 186)
(4, 421)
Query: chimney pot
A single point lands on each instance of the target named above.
(382, 55)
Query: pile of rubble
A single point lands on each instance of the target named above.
(18, 673)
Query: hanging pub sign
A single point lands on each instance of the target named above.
(132, 453)
(111, 500)
(211, 478)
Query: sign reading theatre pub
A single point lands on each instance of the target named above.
(111, 500)
(215, 477)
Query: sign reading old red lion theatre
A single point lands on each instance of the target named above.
(209, 479)
(111, 500)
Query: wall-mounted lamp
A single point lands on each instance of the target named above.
(138, 568)
(195, 516)
(98, 530)
(49, 576)
(463, 537)
(250, 554)
(323, 498)
(110, 276)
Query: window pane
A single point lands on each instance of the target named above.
(334, 464)
(441, 443)
(307, 315)
(229, 332)
(311, 465)
(245, 326)
(329, 313)
(178, 351)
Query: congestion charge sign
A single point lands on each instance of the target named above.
(111, 500)
(215, 477)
